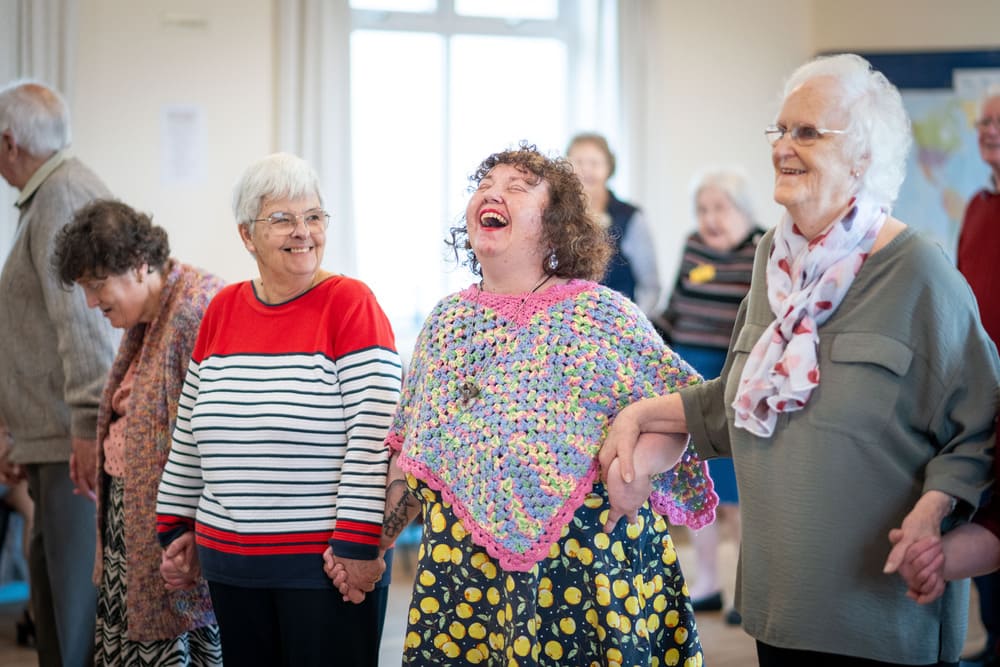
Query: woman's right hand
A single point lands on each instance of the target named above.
(179, 565)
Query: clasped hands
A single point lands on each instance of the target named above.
(628, 460)
(353, 578)
(179, 564)
(917, 554)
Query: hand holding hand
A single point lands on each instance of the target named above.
(625, 497)
(179, 565)
(922, 567)
(923, 521)
(83, 467)
(353, 578)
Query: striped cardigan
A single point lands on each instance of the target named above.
(162, 349)
(278, 448)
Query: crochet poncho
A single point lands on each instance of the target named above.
(517, 460)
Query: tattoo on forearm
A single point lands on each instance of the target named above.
(398, 515)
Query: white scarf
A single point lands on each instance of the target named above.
(806, 281)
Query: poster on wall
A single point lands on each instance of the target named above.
(941, 92)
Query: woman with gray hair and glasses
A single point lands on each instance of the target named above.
(713, 278)
(858, 395)
(278, 453)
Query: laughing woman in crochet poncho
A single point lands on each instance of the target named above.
(512, 385)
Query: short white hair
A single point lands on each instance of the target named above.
(275, 176)
(732, 181)
(878, 129)
(36, 116)
(992, 91)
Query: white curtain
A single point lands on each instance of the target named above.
(634, 51)
(37, 41)
(313, 108)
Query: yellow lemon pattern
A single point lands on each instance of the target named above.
(615, 599)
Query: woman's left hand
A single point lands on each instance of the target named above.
(923, 521)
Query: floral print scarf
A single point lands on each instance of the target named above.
(806, 281)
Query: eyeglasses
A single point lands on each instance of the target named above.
(316, 220)
(985, 122)
(802, 135)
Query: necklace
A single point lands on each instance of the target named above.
(469, 390)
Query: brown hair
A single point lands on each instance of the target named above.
(110, 237)
(582, 248)
(598, 141)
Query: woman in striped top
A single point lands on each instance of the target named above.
(278, 453)
(714, 277)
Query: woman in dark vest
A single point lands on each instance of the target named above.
(632, 270)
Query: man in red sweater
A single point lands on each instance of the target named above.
(978, 257)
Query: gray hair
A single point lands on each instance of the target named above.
(992, 91)
(730, 180)
(879, 128)
(277, 175)
(36, 116)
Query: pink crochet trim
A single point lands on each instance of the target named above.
(678, 516)
(520, 308)
(508, 559)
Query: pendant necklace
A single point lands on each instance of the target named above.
(468, 389)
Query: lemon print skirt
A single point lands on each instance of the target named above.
(597, 599)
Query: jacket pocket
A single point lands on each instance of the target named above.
(859, 383)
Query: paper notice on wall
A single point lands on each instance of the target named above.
(183, 145)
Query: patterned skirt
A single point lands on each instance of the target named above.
(112, 646)
(598, 599)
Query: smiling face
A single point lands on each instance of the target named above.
(814, 183)
(721, 225)
(285, 258)
(989, 136)
(123, 298)
(504, 222)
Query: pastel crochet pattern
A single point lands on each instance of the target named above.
(519, 458)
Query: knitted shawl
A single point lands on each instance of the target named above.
(162, 351)
(518, 459)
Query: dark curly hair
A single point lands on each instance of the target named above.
(107, 238)
(582, 247)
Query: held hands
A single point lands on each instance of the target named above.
(353, 578)
(83, 467)
(922, 568)
(624, 497)
(179, 566)
(917, 554)
(653, 453)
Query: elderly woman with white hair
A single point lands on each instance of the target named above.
(858, 395)
(278, 452)
(713, 278)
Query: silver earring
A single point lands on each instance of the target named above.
(553, 261)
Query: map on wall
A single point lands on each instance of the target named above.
(941, 92)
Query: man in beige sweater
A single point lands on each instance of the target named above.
(53, 362)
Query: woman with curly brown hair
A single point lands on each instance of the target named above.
(511, 388)
(122, 262)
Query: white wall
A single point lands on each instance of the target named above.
(714, 77)
(136, 57)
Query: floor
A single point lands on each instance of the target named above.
(725, 646)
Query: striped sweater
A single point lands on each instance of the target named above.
(278, 449)
(710, 286)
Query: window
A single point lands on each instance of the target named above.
(434, 90)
